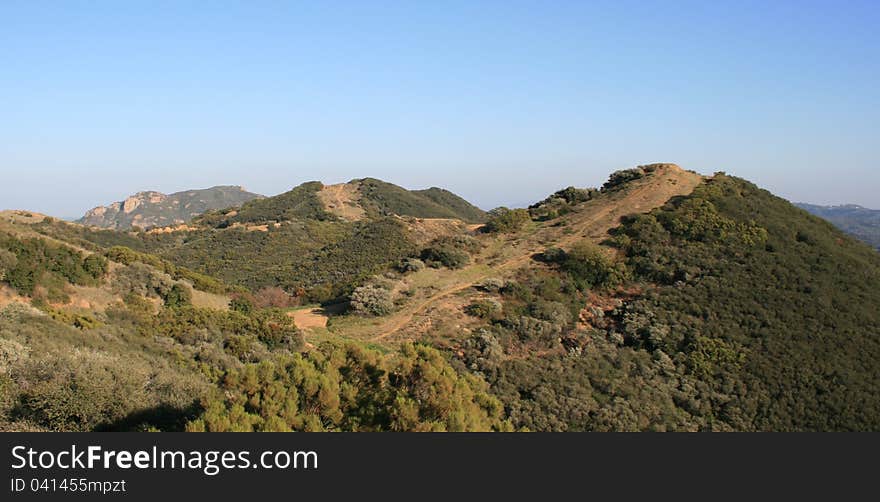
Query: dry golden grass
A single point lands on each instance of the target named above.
(210, 301)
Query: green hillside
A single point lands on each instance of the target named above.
(751, 315)
(381, 198)
(298, 203)
(665, 301)
(462, 209)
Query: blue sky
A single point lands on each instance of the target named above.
(502, 102)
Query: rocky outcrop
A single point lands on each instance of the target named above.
(154, 209)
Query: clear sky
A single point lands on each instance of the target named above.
(502, 102)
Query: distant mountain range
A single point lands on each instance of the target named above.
(352, 201)
(860, 222)
(155, 209)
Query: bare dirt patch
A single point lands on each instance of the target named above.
(316, 317)
(424, 230)
(171, 229)
(209, 300)
(7, 296)
(309, 318)
(91, 298)
(342, 201)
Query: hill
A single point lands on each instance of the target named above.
(858, 221)
(353, 201)
(663, 300)
(154, 209)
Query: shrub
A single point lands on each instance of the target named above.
(141, 280)
(437, 256)
(95, 265)
(7, 261)
(408, 265)
(622, 177)
(489, 309)
(503, 219)
(530, 329)
(561, 202)
(201, 282)
(371, 300)
(32, 262)
(553, 255)
(590, 267)
(242, 347)
(491, 285)
(241, 303)
(180, 295)
(314, 392)
(552, 311)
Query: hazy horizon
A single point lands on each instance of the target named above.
(499, 102)
(476, 200)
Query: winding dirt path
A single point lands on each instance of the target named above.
(653, 192)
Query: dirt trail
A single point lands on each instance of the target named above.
(650, 192)
(341, 200)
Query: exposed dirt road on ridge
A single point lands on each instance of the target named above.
(591, 223)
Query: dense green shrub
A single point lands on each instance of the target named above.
(385, 199)
(190, 325)
(561, 202)
(488, 308)
(241, 303)
(141, 280)
(779, 329)
(64, 379)
(622, 177)
(32, 262)
(588, 265)
(7, 261)
(504, 220)
(178, 296)
(451, 251)
(345, 387)
(445, 256)
(409, 265)
(201, 282)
